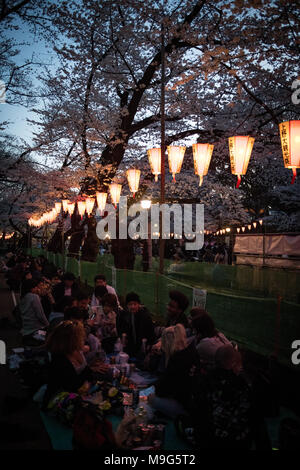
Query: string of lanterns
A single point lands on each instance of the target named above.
(240, 149)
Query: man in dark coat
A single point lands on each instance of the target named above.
(136, 322)
(66, 288)
(176, 307)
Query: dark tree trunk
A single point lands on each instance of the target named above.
(91, 245)
(77, 234)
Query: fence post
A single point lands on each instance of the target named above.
(277, 328)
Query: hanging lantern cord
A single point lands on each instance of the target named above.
(294, 175)
(238, 181)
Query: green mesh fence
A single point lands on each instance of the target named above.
(252, 320)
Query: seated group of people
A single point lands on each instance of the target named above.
(200, 373)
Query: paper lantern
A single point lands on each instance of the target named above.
(115, 192)
(58, 207)
(101, 201)
(133, 177)
(175, 156)
(81, 207)
(65, 203)
(290, 144)
(202, 155)
(70, 207)
(89, 205)
(154, 156)
(240, 148)
(146, 204)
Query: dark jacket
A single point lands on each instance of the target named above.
(144, 328)
(59, 291)
(171, 321)
(178, 378)
(63, 377)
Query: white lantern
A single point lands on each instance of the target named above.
(70, 207)
(202, 155)
(146, 204)
(89, 205)
(81, 206)
(133, 177)
(249, 227)
(243, 229)
(101, 201)
(115, 192)
(175, 156)
(254, 224)
(58, 207)
(154, 156)
(65, 203)
(290, 144)
(240, 148)
(238, 230)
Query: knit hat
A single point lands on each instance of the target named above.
(132, 297)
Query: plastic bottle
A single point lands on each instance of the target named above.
(143, 410)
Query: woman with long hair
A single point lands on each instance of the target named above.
(173, 389)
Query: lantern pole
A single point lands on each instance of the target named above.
(163, 148)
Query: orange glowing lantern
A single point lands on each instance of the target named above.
(154, 156)
(249, 227)
(70, 207)
(175, 155)
(89, 205)
(115, 192)
(240, 148)
(81, 206)
(58, 207)
(101, 201)
(202, 155)
(65, 203)
(260, 221)
(133, 177)
(290, 144)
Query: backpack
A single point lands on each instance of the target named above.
(92, 431)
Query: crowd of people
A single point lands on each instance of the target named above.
(201, 383)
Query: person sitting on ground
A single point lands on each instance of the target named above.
(16, 274)
(96, 306)
(109, 322)
(221, 404)
(32, 313)
(67, 287)
(46, 296)
(92, 343)
(172, 390)
(68, 367)
(194, 313)
(208, 338)
(36, 270)
(177, 305)
(137, 323)
(58, 314)
(83, 301)
(100, 281)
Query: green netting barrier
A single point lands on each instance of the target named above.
(253, 321)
